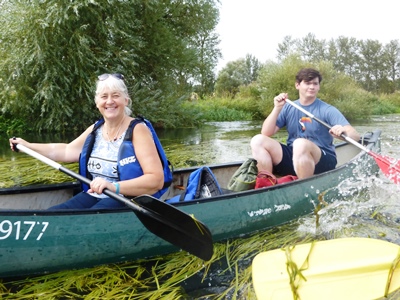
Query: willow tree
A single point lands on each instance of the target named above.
(240, 72)
(52, 52)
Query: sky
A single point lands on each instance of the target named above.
(256, 27)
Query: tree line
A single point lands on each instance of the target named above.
(375, 66)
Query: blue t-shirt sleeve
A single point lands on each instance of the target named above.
(335, 117)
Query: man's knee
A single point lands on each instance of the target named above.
(254, 139)
(301, 143)
(257, 140)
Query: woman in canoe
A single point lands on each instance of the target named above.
(134, 170)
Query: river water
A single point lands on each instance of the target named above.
(373, 213)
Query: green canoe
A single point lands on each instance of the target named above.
(34, 240)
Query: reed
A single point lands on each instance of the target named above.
(29, 171)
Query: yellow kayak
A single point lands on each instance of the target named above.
(347, 268)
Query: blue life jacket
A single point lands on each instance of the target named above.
(127, 166)
(201, 184)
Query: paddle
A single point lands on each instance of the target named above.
(160, 218)
(346, 268)
(389, 166)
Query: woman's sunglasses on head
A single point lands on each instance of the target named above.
(105, 76)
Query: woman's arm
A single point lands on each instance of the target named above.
(61, 152)
(152, 179)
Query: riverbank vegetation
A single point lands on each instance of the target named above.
(254, 101)
(52, 52)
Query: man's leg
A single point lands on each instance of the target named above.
(266, 151)
(306, 155)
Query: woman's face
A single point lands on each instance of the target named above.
(111, 103)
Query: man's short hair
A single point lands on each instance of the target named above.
(308, 74)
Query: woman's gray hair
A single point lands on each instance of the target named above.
(114, 84)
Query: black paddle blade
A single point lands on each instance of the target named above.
(175, 226)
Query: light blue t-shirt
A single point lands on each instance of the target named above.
(299, 125)
(103, 159)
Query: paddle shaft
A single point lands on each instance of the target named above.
(162, 219)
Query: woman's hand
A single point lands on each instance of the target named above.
(98, 185)
(14, 140)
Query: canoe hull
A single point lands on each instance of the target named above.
(36, 241)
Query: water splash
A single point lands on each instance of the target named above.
(363, 214)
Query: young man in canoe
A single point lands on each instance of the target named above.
(133, 171)
(309, 149)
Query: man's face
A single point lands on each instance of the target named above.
(308, 89)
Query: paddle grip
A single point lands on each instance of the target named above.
(15, 145)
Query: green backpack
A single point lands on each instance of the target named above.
(245, 177)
